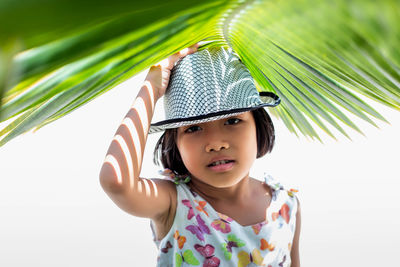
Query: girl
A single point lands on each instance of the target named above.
(209, 211)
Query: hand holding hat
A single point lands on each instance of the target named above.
(159, 74)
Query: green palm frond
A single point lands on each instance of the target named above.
(318, 56)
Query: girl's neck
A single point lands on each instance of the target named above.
(237, 194)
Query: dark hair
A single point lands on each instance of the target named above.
(167, 151)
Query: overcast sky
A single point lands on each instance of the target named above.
(53, 211)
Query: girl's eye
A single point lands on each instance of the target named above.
(192, 129)
(233, 121)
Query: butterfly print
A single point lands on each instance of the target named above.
(233, 241)
(190, 214)
(204, 237)
(283, 261)
(265, 245)
(180, 239)
(222, 224)
(167, 247)
(201, 206)
(207, 251)
(246, 258)
(200, 229)
(166, 172)
(187, 257)
(193, 193)
(291, 192)
(283, 212)
(257, 227)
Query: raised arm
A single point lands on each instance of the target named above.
(119, 175)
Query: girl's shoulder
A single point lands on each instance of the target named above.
(172, 176)
(277, 187)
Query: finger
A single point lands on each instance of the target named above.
(175, 58)
(178, 55)
(189, 50)
(162, 64)
(171, 61)
(195, 46)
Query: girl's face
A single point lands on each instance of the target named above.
(203, 146)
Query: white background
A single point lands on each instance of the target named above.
(53, 211)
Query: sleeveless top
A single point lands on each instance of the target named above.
(201, 236)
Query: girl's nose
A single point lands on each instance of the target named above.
(216, 145)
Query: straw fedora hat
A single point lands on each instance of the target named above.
(208, 85)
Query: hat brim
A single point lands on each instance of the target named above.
(270, 99)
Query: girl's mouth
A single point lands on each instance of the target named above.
(221, 165)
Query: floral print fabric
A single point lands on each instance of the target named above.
(200, 236)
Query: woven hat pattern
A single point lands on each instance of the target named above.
(208, 85)
(225, 70)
